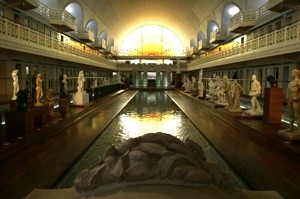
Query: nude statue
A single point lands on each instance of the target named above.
(39, 90)
(293, 101)
(254, 93)
(15, 78)
(80, 82)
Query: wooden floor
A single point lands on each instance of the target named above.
(263, 160)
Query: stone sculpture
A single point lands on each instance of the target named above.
(39, 90)
(154, 158)
(293, 105)
(15, 78)
(254, 93)
(50, 102)
(80, 81)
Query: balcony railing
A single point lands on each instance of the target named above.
(216, 37)
(242, 21)
(203, 44)
(86, 36)
(24, 5)
(283, 5)
(274, 43)
(19, 37)
(61, 19)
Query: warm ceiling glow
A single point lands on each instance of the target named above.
(152, 41)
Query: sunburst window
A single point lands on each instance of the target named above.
(151, 40)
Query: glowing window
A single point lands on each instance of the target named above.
(151, 41)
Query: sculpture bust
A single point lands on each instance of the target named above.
(15, 78)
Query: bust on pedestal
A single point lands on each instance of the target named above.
(81, 97)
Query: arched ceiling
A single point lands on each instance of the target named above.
(183, 17)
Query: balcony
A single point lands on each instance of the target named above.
(203, 45)
(62, 20)
(216, 37)
(86, 36)
(100, 44)
(23, 5)
(242, 21)
(283, 5)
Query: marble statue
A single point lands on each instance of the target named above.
(50, 102)
(254, 93)
(211, 90)
(39, 90)
(200, 88)
(15, 78)
(119, 79)
(64, 90)
(293, 105)
(80, 82)
(237, 90)
(154, 158)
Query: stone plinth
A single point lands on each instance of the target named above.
(12, 105)
(273, 105)
(18, 123)
(40, 115)
(81, 99)
(64, 105)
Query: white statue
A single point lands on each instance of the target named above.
(39, 90)
(211, 86)
(119, 79)
(293, 102)
(15, 78)
(200, 88)
(64, 90)
(254, 94)
(80, 81)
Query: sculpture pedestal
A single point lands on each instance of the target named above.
(64, 105)
(18, 123)
(12, 105)
(273, 105)
(81, 99)
(40, 115)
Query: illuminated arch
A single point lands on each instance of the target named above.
(151, 40)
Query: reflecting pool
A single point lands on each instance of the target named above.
(147, 112)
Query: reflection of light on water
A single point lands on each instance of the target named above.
(135, 125)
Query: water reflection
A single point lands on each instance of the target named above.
(147, 112)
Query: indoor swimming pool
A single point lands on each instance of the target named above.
(147, 112)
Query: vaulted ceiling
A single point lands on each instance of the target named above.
(180, 16)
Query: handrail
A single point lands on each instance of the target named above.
(22, 33)
(270, 40)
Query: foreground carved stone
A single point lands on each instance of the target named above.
(155, 165)
(154, 158)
